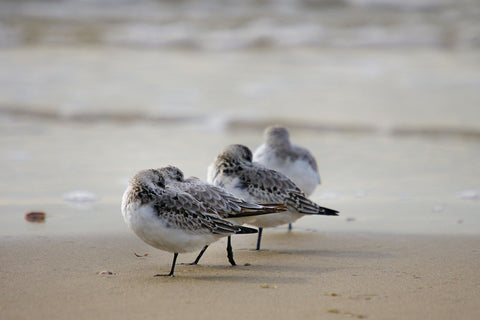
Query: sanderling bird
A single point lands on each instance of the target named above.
(294, 161)
(169, 219)
(217, 200)
(234, 171)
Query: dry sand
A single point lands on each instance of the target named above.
(298, 275)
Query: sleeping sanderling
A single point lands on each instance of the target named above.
(217, 199)
(169, 219)
(234, 170)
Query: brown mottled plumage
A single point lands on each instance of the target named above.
(234, 170)
(169, 219)
(217, 199)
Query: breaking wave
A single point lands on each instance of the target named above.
(239, 25)
(216, 123)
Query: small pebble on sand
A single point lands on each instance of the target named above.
(35, 216)
(106, 273)
(267, 286)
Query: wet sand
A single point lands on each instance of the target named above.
(332, 268)
(299, 274)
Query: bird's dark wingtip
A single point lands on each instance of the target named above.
(331, 212)
(246, 230)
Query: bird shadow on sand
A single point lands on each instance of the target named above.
(255, 279)
(301, 242)
(254, 273)
(222, 274)
(337, 254)
(257, 272)
(360, 254)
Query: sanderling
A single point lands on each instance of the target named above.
(295, 162)
(234, 170)
(169, 219)
(218, 200)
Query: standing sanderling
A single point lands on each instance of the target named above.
(295, 162)
(218, 200)
(234, 170)
(169, 219)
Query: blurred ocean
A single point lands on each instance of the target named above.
(385, 93)
(238, 25)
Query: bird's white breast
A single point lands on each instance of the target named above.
(300, 171)
(155, 231)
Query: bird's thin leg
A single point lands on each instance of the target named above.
(230, 251)
(175, 255)
(199, 256)
(259, 239)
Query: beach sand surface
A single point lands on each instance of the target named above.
(298, 274)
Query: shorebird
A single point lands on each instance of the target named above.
(294, 161)
(234, 170)
(169, 219)
(217, 199)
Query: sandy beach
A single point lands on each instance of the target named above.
(406, 245)
(384, 93)
(300, 274)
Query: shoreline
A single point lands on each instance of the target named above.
(298, 274)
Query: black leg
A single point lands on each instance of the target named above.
(230, 251)
(175, 255)
(289, 226)
(199, 255)
(259, 239)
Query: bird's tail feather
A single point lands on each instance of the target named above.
(260, 209)
(225, 227)
(245, 230)
(298, 202)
